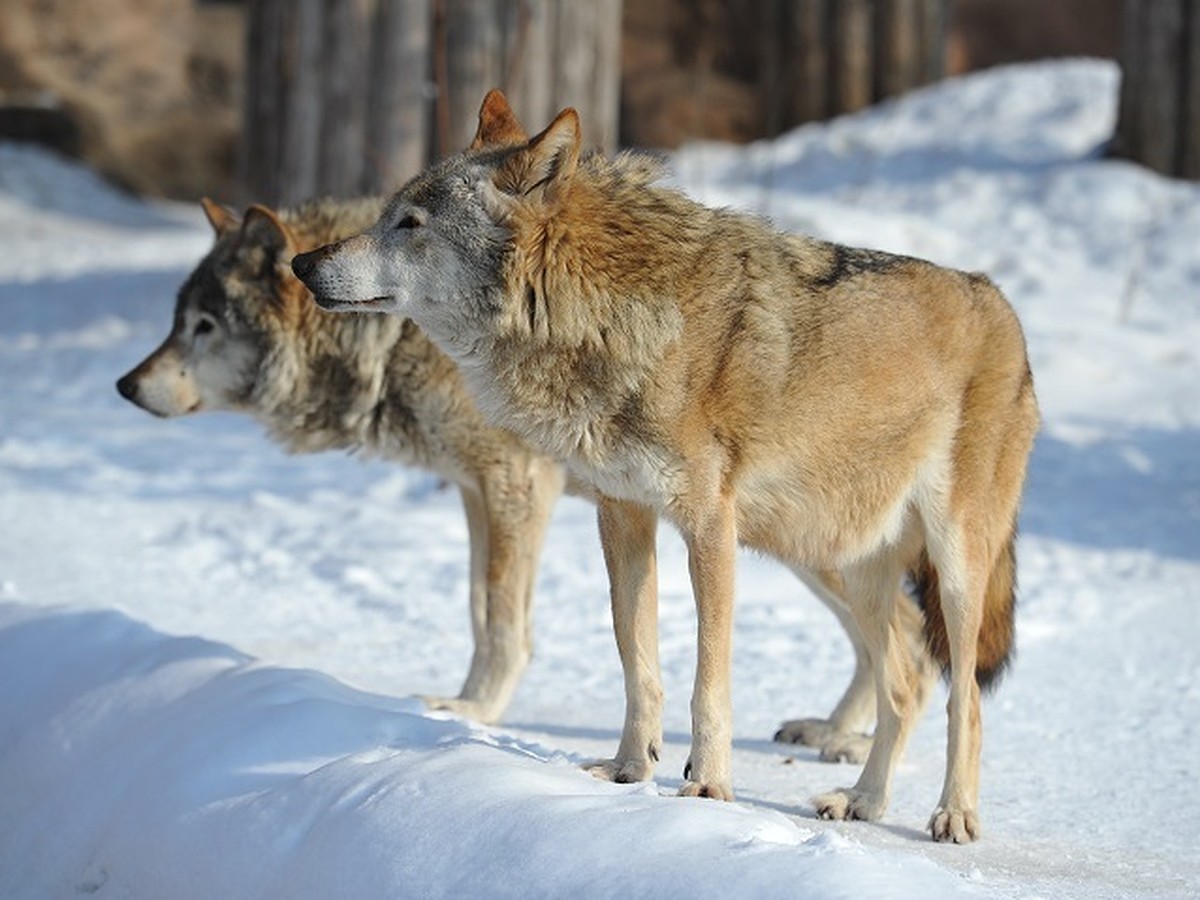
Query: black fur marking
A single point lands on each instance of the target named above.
(531, 308)
(926, 591)
(848, 262)
(630, 419)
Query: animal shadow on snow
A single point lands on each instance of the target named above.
(1137, 490)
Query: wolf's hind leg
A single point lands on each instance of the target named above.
(871, 589)
(627, 534)
(843, 737)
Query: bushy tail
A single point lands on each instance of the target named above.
(997, 633)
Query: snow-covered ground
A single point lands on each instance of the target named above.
(208, 649)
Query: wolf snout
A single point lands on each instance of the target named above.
(127, 387)
(304, 264)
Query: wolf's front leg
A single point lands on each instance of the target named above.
(627, 533)
(507, 516)
(712, 552)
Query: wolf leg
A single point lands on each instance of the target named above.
(871, 590)
(843, 737)
(627, 533)
(506, 529)
(712, 549)
(956, 817)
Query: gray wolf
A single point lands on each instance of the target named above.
(247, 338)
(839, 409)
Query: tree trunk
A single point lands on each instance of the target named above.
(819, 58)
(1159, 120)
(585, 69)
(898, 64)
(343, 70)
(473, 67)
(398, 94)
(853, 74)
(337, 91)
(809, 33)
(544, 54)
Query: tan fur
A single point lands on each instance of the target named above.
(375, 385)
(835, 409)
(839, 409)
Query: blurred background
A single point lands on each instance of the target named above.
(280, 100)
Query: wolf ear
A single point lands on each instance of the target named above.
(498, 126)
(548, 160)
(222, 219)
(263, 228)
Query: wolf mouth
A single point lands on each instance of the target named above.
(335, 304)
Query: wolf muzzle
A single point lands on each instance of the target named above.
(304, 266)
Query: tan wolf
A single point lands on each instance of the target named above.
(837, 408)
(246, 337)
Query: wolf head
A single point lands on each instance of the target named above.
(444, 237)
(218, 338)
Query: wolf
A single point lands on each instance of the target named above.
(247, 338)
(839, 409)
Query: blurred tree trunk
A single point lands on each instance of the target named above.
(398, 94)
(821, 58)
(341, 162)
(471, 33)
(340, 94)
(282, 124)
(1159, 120)
(544, 54)
(333, 97)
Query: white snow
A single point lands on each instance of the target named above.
(141, 755)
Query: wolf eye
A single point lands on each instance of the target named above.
(204, 326)
(409, 221)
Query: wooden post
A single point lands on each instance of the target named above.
(853, 76)
(283, 152)
(337, 91)
(473, 54)
(585, 67)
(1159, 120)
(545, 54)
(343, 110)
(399, 96)
(933, 24)
(1190, 163)
(897, 61)
(810, 31)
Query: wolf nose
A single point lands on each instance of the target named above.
(303, 264)
(127, 388)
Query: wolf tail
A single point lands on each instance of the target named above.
(997, 632)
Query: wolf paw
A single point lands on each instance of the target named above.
(847, 748)
(620, 771)
(959, 826)
(849, 803)
(835, 745)
(809, 732)
(476, 710)
(713, 790)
